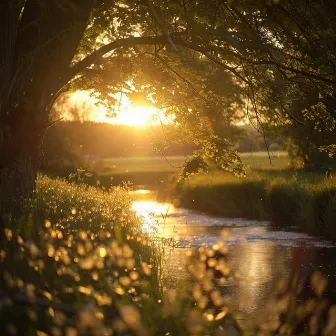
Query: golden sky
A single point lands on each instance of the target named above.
(128, 114)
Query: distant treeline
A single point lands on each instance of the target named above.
(73, 143)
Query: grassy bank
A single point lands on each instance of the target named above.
(77, 264)
(306, 201)
(80, 264)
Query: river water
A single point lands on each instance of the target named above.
(260, 253)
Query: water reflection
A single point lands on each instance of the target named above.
(153, 215)
(141, 192)
(266, 256)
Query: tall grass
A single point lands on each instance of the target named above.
(221, 194)
(78, 260)
(305, 201)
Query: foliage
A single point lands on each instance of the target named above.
(329, 149)
(308, 144)
(193, 166)
(231, 53)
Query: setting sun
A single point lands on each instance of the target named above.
(133, 116)
(127, 114)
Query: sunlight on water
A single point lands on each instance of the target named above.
(140, 192)
(153, 214)
(265, 256)
(153, 207)
(253, 261)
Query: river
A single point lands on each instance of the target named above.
(260, 253)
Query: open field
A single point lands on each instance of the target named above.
(155, 171)
(134, 164)
(263, 161)
(171, 164)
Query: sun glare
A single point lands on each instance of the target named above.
(137, 116)
(127, 114)
(153, 216)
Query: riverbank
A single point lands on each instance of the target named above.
(81, 261)
(305, 201)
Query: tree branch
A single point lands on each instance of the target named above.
(175, 37)
(182, 78)
(296, 71)
(147, 40)
(127, 42)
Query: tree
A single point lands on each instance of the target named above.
(38, 42)
(160, 51)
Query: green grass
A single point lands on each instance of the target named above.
(305, 201)
(80, 250)
(79, 264)
(156, 171)
(130, 165)
(266, 161)
(140, 164)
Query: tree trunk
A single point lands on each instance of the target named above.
(38, 41)
(18, 179)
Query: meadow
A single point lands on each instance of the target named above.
(154, 172)
(173, 164)
(80, 263)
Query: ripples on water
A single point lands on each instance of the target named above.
(261, 254)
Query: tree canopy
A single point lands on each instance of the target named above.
(211, 62)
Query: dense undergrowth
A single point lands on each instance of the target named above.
(306, 201)
(79, 264)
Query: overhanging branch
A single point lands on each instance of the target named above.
(147, 40)
(176, 38)
(126, 42)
